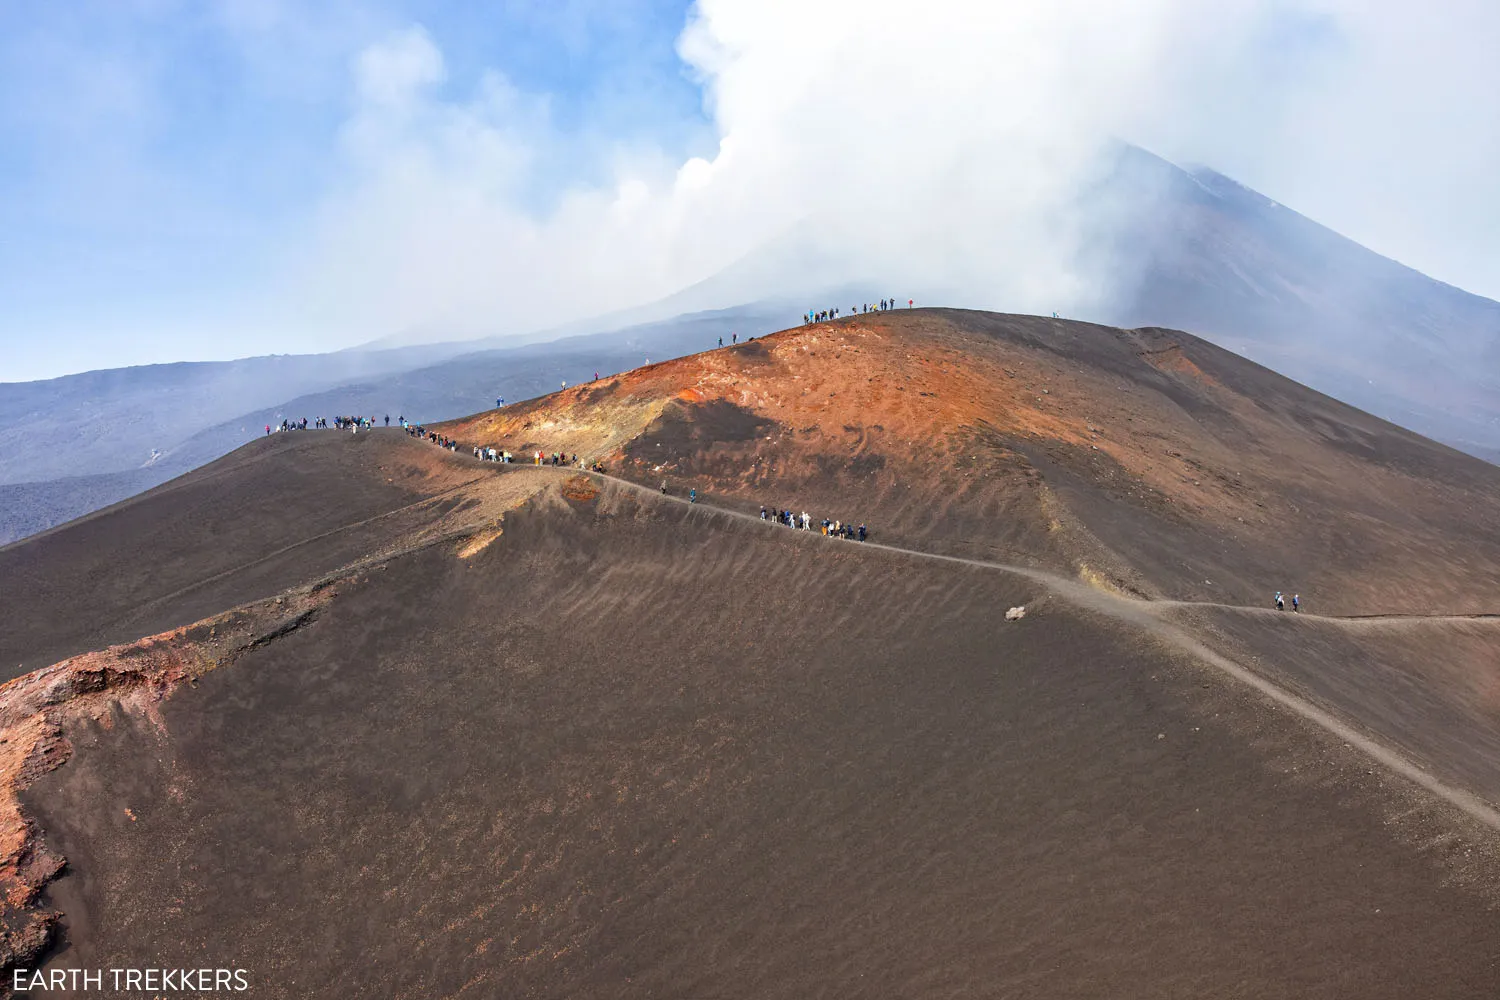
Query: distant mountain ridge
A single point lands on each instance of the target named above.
(1231, 265)
(92, 450)
(1182, 248)
(111, 420)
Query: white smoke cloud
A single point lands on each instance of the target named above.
(935, 147)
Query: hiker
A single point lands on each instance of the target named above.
(1296, 603)
(268, 430)
(762, 511)
(734, 338)
(863, 534)
(388, 420)
(663, 487)
(1280, 602)
(721, 341)
(693, 495)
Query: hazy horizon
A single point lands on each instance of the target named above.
(249, 177)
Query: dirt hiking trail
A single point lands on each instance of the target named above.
(1147, 615)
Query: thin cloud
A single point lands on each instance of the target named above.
(255, 176)
(942, 147)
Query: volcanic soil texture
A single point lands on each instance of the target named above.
(636, 748)
(1147, 460)
(272, 515)
(367, 717)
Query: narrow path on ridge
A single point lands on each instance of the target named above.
(1146, 615)
(197, 584)
(1080, 592)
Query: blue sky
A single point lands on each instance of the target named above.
(153, 155)
(220, 178)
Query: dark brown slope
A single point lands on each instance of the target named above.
(638, 750)
(1427, 687)
(631, 747)
(1147, 459)
(272, 515)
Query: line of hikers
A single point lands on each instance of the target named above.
(1281, 602)
(824, 315)
(803, 521)
(323, 423)
(489, 453)
(560, 459)
(555, 459)
(353, 423)
(441, 440)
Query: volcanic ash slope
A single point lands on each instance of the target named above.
(407, 724)
(1148, 460)
(640, 749)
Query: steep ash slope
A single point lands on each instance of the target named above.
(639, 749)
(1429, 687)
(274, 514)
(134, 431)
(500, 730)
(1147, 460)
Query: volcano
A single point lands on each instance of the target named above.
(1158, 463)
(361, 714)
